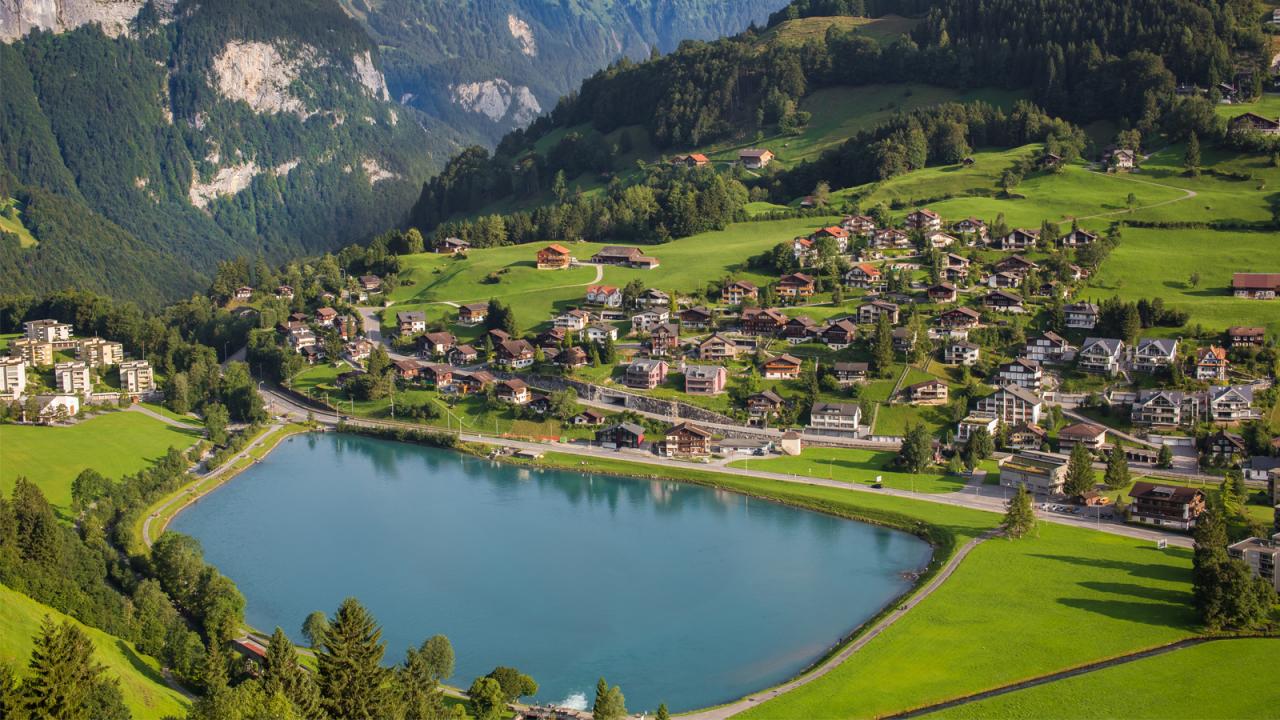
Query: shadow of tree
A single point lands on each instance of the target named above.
(1166, 573)
(1146, 613)
(1146, 592)
(138, 664)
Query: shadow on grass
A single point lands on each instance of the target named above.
(1165, 573)
(1144, 592)
(138, 664)
(1147, 613)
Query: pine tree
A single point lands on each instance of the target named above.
(1191, 160)
(10, 697)
(609, 704)
(485, 699)
(882, 346)
(1079, 472)
(1117, 475)
(282, 674)
(419, 676)
(663, 713)
(352, 679)
(1165, 459)
(917, 449)
(1020, 518)
(62, 674)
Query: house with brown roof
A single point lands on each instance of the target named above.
(1253, 122)
(970, 226)
(692, 160)
(943, 292)
(695, 318)
(1212, 363)
(1082, 315)
(554, 257)
(1021, 372)
(409, 322)
(645, 374)
(1171, 506)
(755, 158)
(407, 369)
(1257, 286)
(761, 321)
(847, 373)
(663, 339)
(800, 329)
(452, 246)
(371, 283)
(617, 255)
(436, 374)
(923, 220)
(870, 312)
(473, 313)
(436, 343)
(960, 318)
(961, 352)
(1077, 238)
(735, 292)
(782, 367)
(859, 224)
(514, 353)
(1241, 336)
(1048, 347)
(929, 392)
(1012, 404)
(764, 406)
(1003, 301)
(1088, 434)
(686, 440)
(795, 286)
(864, 275)
(890, 238)
(705, 379)
(717, 347)
(1018, 240)
(513, 391)
(839, 334)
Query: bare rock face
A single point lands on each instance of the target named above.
(523, 34)
(497, 99)
(369, 77)
(227, 181)
(20, 17)
(260, 75)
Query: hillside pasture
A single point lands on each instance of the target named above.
(853, 465)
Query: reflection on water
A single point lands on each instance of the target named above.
(679, 593)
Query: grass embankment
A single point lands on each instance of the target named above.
(854, 465)
(141, 683)
(1013, 610)
(113, 443)
(1223, 679)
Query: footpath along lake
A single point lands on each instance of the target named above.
(678, 593)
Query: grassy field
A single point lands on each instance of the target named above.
(16, 226)
(141, 684)
(1226, 685)
(114, 444)
(854, 466)
(1158, 263)
(801, 31)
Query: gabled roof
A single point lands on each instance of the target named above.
(833, 408)
(690, 428)
(1109, 346)
(1082, 430)
(1020, 393)
(1174, 493)
(1160, 346)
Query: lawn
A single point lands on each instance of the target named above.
(1226, 685)
(114, 444)
(855, 466)
(1158, 263)
(141, 684)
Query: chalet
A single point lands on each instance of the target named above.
(839, 334)
(705, 379)
(664, 339)
(803, 251)
(863, 275)
(1050, 161)
(462, 355)
(973, 423)
(407, 369)
(940, 240)
(1246, 336)
(1171, 506)
(622, 435)
(326, 315)
(871, 312)
(755, 158)
(452, 246)
(761, 321)
(436, 343)
(795, 286)
(284, 292)
(1018, 240)
(687, 439)
(358, 350)
(923, 220)
(960, 352)
(1253, 122)
(310, 355)
(589, 417)
(1257, 286)
(652, 297)
(1048, 347)
(371, 283)
(410, 322)
(514, 353)
(763, 406)
(943, 292)
(1091, 436)
(473, 313)
(1122, 159)
(552, 337)
(243, 292)
(1022, 372)
(890, 238)
(1016, 265)
(436, 374)
(695, 318)
(601, 332)
(960, 318)
(929, 392)
(617, 255)
(835, 418)
(648, 320)
(605, 295)
(859, 224)
(735, 292)
(1027, 436)
(1229, 404)
(1261, 468)
(1211, 363)
(1051, 288)
(1040, 473)
(717, 347)
(473, 382)
(514, 392)
(301, 338)
(835, 232)
(573, 357)
(1077, 238)
(970, 226)
(1012, 404)
(782, 367)
(800, 329)
(1100, 355)
(1082, 315)
(1005, 280)
(956, 267)
(1154, 354)
(572, 320)
(1003, 301)
(1225, 446)
(904, 339)
(1169, 408)
(692, 160)
(554, 257)
(850, 372)
(646, 374)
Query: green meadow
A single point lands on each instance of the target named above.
(113, 443)
(141, 683)
(854, 465)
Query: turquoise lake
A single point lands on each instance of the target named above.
(677, 593)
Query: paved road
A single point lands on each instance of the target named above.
(831, 663)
